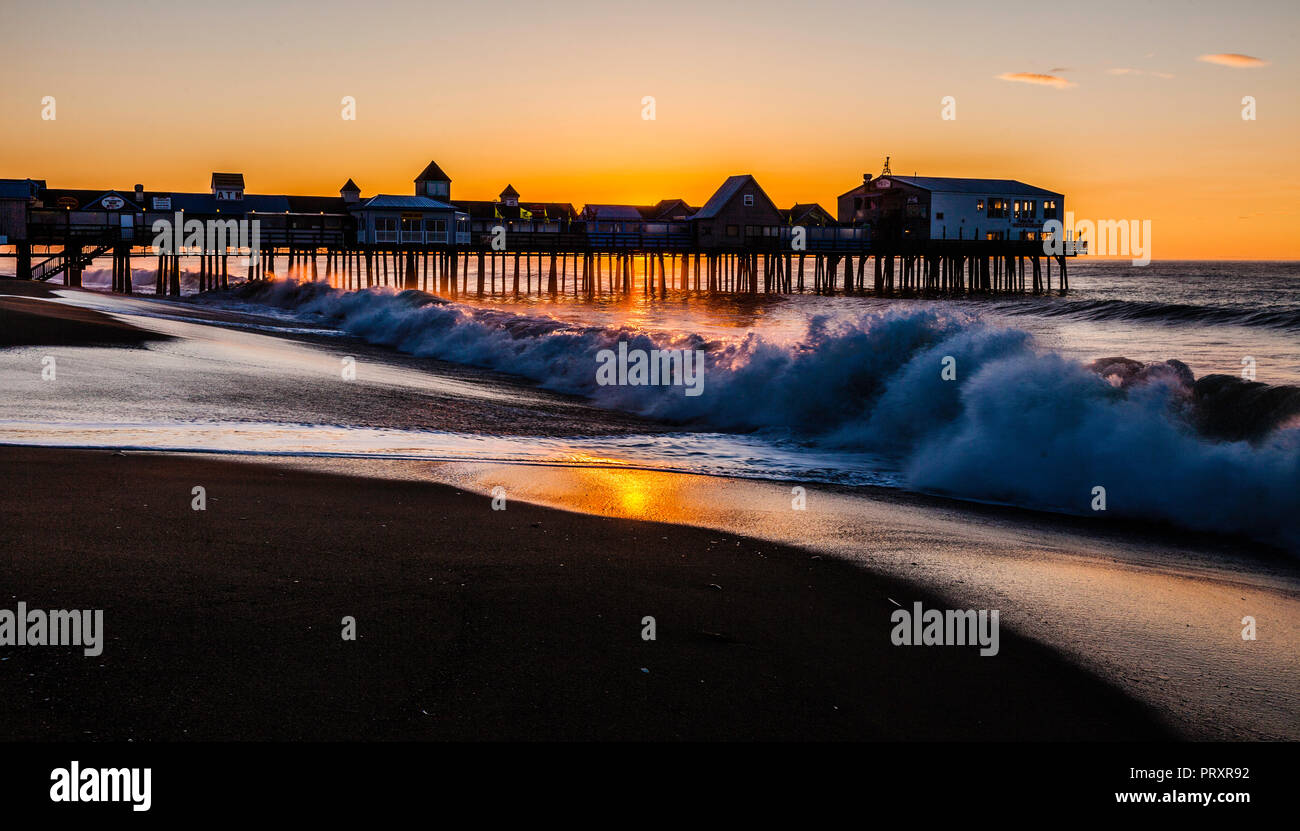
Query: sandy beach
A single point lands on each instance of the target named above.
(472, 623)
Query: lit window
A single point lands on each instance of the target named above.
(979, 205)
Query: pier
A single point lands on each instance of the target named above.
(738, 243)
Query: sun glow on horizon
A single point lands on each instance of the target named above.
(557, 109)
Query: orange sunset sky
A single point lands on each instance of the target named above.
(1116, 104)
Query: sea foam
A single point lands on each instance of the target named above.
(1013, 422)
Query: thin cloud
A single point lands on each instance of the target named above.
(1233, 60)
(1124, 70)
(1036, 78)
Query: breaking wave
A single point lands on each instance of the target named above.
(1016, 424)
(1155, 312)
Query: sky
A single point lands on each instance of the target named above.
(1129, 119)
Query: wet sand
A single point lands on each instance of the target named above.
(472, 623)
(1157, 613)
(31, 319)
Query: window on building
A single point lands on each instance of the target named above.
(998, 209)
(435, 230)
(733, 230)
(1031, 207)
(385, 229)
(1049, 209)
(749, 200)
(938, 215)
(412, 230)
(1017, 209)
(979, 204)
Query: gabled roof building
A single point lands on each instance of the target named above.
(937, 207)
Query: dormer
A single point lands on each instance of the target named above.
(228, 187)
(432, 182)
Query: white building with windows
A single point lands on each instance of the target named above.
(409, 220)
(935, 207)
(420, 219)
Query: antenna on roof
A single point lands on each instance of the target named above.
(886, 171)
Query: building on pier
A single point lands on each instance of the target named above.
(408, 220)
(737, 212)
(740, 215)
(507, 211)
(612, 219)
(16, 199)
(942, 208)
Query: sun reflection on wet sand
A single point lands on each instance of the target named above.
(605, 491)
(1117, 606)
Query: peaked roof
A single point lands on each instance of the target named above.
(666, 209)
(509, 191)
(804, 210)
(228, 180)
(433, 173)
(350, 185)
(128, 199)
(726, 193)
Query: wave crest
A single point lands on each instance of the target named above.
(1014, 424)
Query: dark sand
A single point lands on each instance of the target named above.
(473, 623)
(31, 320)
